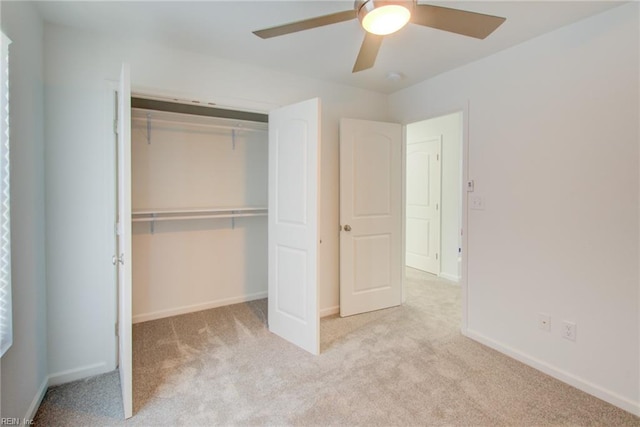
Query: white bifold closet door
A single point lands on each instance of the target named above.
(294, 193)
(123, 227)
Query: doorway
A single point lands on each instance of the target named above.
(433, 203)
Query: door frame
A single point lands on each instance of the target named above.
(464, 256)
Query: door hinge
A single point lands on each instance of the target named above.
(117, 230)
(115, 126)
(117, 330)
(438, 157)
(436, 257)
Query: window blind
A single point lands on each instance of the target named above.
(6, 327)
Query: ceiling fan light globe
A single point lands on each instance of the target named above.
(382, 17)
(386, 19)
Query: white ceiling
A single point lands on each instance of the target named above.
(223, 29)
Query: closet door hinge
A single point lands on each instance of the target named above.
(115, 126)
(117, 331)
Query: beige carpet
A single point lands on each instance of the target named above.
(404, 366)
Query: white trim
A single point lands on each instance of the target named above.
(247, 105)
(78, 373)
(110, 181)
(557, 373)
(329, 311)
(37, 400)
(450, 277)
(144, 317)
(403, 211)
(464, 220)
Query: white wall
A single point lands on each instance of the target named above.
(24, 366)
(186, 266)
(79, 170)
(448, 126)
(553, 149)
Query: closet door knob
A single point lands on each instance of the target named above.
(347, 227)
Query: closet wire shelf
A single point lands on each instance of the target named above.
(158, 117)
(188, 214)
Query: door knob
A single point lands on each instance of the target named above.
(347, 227)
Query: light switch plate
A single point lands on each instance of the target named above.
(477, 202)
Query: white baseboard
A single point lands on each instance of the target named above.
(329, 311)
(37, 399)
(144, 317)
(451, 277)
(564, 376)
(78, 373)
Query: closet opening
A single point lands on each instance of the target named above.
(214, 208)
(199, 207)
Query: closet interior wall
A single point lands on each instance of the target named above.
(199, 200)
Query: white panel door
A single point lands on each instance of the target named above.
(370, 216)
(294, 194)
(124, 241)
(423, 204)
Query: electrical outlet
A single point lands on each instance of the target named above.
(544, 321)
(569, 330)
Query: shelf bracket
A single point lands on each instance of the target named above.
(233, 139)
(233, 219)
(148, 128)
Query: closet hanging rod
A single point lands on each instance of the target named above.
(198, 210)
(208, 125)
(185, 217)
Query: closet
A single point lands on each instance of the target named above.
(215, 207)
(199, 207)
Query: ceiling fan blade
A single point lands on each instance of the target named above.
(368, 52)
(457, 21)
(306, 24)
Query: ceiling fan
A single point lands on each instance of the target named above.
(383, 17)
